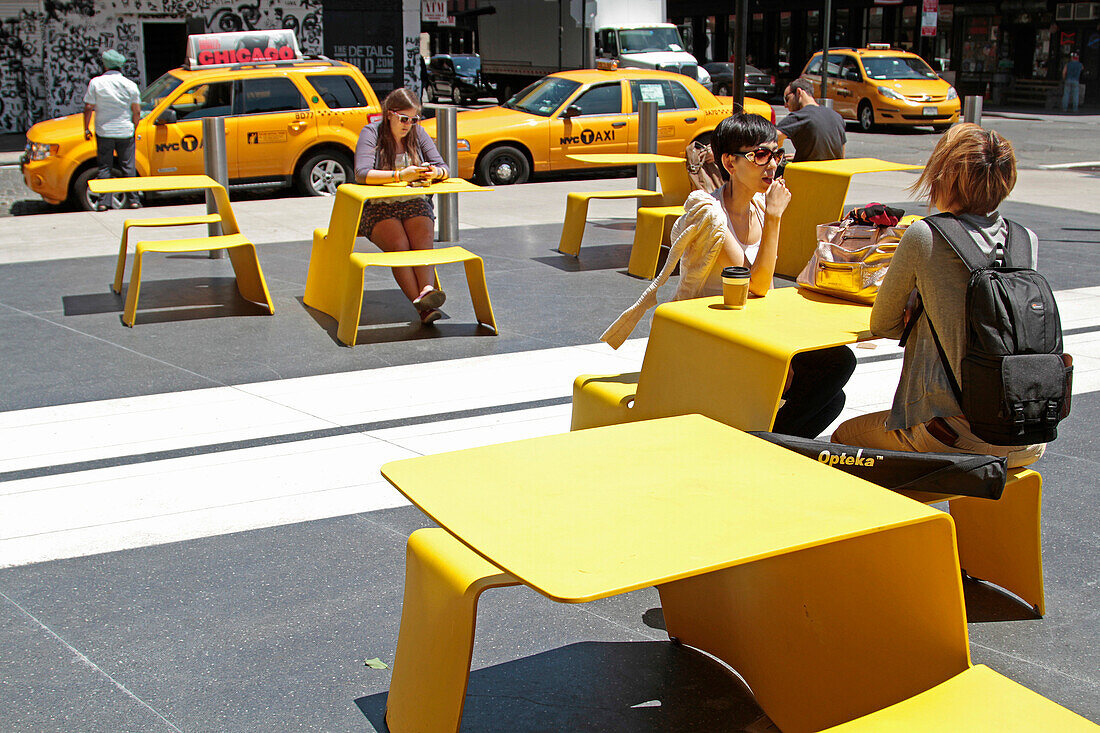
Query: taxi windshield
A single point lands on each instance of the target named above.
(642, 40)
(903, 67)
(157, 91)
(543, 97)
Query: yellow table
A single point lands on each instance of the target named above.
(728, 364)
(329, 260)
(818, 190)
(242, 252)
(833, 597)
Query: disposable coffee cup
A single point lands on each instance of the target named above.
(735, 286)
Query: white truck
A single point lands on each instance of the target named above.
(524, 40)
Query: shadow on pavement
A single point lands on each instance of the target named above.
(601, 686)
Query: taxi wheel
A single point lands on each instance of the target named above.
(503, 166)
(84, 199)
(323, 172)
(940, 128)
(866, 117)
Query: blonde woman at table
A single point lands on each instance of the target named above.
(738, 226)
(970, 172)
(392, 150)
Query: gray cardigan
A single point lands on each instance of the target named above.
(366, 150)
(941, 278)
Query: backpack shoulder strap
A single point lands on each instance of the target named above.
(1017, 245)
(958, 238)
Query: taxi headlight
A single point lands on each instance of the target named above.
(890, 94)
(951, 93)
(463, 146)
(40, 151)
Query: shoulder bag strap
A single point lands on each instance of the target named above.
(1017, 245)
(958, 238)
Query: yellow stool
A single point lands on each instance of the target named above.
(1000, 541)
(348, 328)
(242, 255)
(443, 580)
(167, 221)
(653, 229)
(978, 699)
(576, 213)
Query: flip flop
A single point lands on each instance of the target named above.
(429, 300)
(429, 316)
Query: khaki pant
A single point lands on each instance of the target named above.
(869, 431)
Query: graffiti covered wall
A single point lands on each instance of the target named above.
(47, 57)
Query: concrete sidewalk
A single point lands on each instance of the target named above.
(194, 534)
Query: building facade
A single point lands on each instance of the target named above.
(49, 49)
(1011, 51)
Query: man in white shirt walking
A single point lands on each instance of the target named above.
(117, 106)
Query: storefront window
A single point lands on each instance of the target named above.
(872, 22)
(813, 31)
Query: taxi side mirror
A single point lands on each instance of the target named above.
(571, 111)
(167, 117)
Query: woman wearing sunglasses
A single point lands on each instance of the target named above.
(397, 149)
(753, 200)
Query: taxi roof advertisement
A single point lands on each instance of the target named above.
(221, 49)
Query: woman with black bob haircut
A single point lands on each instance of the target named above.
(738, 226)
(754, 199)
(392, 150)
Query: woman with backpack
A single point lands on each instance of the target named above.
(970, 172)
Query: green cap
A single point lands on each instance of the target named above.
(112, 59)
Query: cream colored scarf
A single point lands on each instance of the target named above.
(696, 242)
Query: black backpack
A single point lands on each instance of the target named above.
(1015, 385)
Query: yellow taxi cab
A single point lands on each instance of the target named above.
(584, 111)
(287, 118)
(878, 85)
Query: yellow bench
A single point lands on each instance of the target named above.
(242, 252)
(334, 281)
(576, 213)
(675, 187)
(977, 699)
(166, 221)
(242, 255)
(348, 328)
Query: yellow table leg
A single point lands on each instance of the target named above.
(830, 633)
(443, 579)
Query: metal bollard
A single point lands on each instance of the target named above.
(215, 163)
(827, 103)
(647, 143)
(972, 110)
(447, 143)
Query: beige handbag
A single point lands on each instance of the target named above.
(850, 260)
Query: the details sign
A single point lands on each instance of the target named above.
(368, 36)
(245, 47)
(929, 17)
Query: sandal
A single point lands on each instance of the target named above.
(430, 300)
(429, 316)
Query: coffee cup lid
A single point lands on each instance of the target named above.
(735, 272)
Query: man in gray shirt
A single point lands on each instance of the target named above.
(817, 132)
(116, 102)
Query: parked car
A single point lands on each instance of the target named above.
(584, 111)
(756, 81)
(286, 120)
(457, 77)
(878, 85)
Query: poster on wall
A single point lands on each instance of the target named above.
(369, 38)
